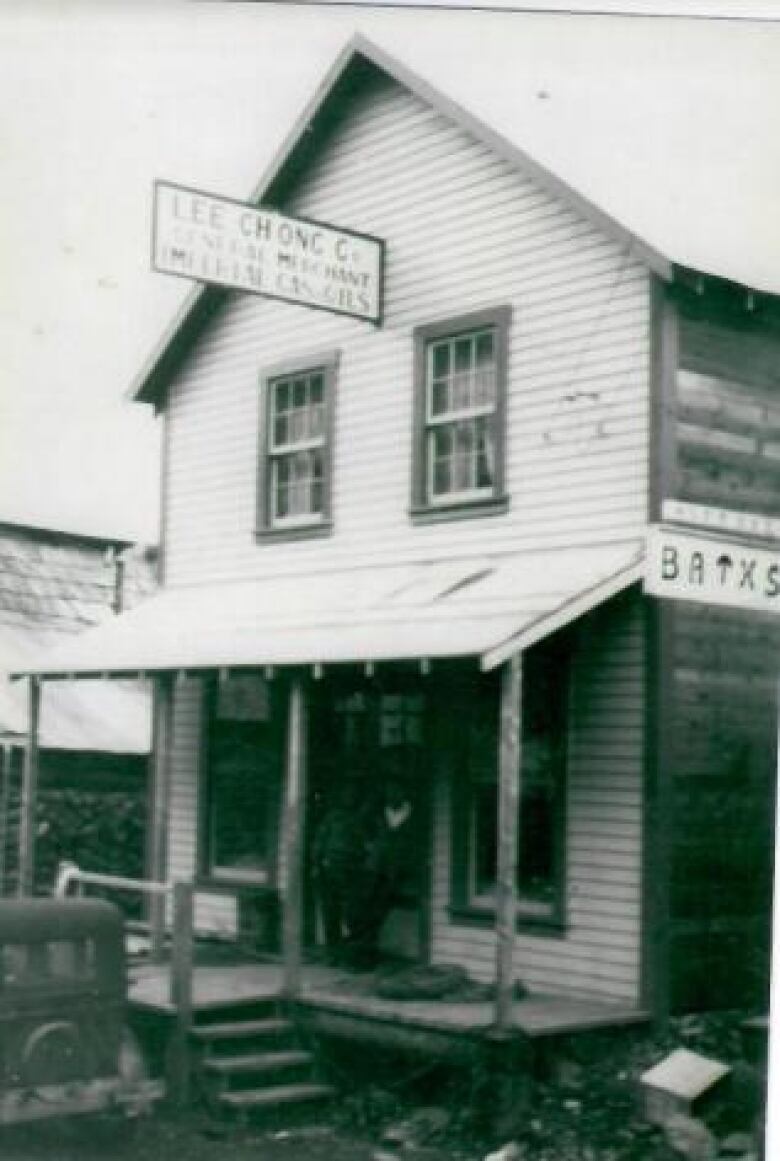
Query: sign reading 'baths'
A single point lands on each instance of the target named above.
(232, 244)
(712, 569)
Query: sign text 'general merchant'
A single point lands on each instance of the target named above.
(712, 570)
(232, 244)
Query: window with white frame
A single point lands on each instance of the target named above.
(296, 452)
(460, 372)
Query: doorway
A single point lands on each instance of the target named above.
(369, 800)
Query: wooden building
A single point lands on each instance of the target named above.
(93, 738)
(418, 546)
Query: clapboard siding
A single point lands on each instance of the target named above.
(215, 914)
(599, 952)
(463, 230)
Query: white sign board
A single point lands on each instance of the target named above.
(232, 244)
(714, 570)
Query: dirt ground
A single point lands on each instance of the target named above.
(166, 1138)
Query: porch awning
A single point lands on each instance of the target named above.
(488, 608)
(113, 717)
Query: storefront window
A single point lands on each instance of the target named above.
(475, 832)
(244, 771)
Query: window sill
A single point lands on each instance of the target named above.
(459, 510)
(549, 925)
(294, 532)
(229, 883)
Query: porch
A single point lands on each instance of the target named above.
(343, 1001)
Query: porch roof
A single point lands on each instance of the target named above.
(487, 607)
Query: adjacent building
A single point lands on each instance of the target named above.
(94, 737)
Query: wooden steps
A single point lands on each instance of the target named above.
(249, 1061)
(278, 1095)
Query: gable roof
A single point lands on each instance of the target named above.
(481, 101)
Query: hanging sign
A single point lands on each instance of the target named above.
(232, 244)
(712, 569)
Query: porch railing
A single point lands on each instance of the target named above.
(182, 894)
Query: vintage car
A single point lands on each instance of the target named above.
(64, 1047)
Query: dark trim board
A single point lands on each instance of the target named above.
(664, 359)
(657, 809)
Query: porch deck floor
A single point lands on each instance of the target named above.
(348, 992)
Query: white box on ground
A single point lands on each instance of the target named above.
(678, 1084)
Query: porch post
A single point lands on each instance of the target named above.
(29, 791)
(509, 765)
(178, 1059)
(292, 842)
(160, 806)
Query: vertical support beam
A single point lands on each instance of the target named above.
(659, 667)
(292, 841)
(509, 766)
(160, 807)
(657, 809)
(178, 1059)
(664, 361)
(29, 791)
(772, 1140)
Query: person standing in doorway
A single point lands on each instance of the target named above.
(338, 859)
(390, 854)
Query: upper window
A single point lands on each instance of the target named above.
(460, 377)
(296, 450)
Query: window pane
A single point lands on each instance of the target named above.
(440, 397)
(463, 349)
(282, 397)
(280, 431)
(484, 349)
(485, 459)
(441, 360)
(316, 388)
(299, 393)
(485, 839)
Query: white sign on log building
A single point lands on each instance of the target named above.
(690, 566)
(243, 247)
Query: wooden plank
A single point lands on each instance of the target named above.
(29, 802)
(509, 766)
(292, 835)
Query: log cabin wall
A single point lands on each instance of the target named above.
(724, 671)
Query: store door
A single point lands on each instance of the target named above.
(369, 818)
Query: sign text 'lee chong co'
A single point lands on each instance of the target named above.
(232, 244)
